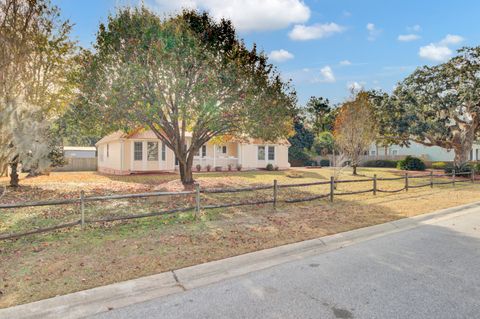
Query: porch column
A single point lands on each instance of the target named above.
(214, 155)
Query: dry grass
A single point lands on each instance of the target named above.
(42, 266)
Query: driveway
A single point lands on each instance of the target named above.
(431, 271)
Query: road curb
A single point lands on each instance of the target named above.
(101, 299)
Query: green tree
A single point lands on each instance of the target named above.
(438, 105)
(35, 63)
(183, 74)
(300, 142)
(319, 114)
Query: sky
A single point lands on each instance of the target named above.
(325, 47)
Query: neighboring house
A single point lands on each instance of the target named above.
(78, 158)
(427, 153)
(141, 151)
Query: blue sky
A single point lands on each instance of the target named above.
(325, 46)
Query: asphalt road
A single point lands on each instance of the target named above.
(432, 271)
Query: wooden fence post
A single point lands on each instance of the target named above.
(82, 209)
(406, 181)
(431, 179)
(275, 191)
(332, 187)
(197, 200)
(374, 184)
(453, 178)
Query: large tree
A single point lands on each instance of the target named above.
(34, 84)
(320, 114)
(182, 74)
(355, 128)
(438, 105)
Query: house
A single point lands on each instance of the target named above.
(141, 151)
(78, 158)
(426, 153)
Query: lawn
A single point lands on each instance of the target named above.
(42, 266)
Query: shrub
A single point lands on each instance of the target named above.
(294, 174)
(198, 167)
(239, 167)
(439, 165)
(310, 163)
(229, 166)
(324, 162)
(275, 168)
(218, 168)
(269, 167)
(208, 167)
(380, 163)
(458, 169)
(411, 163)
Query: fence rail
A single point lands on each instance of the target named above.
(197, 208)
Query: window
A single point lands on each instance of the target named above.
(394, 152)
(108, 150)
(203, 151)
(471, 155)
(476, 154)
(372, 153)
(164, 152)
(261, 153)
(152, 151)
(222, 149)
(138, 151)
(271, 153)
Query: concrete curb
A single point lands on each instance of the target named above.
(101, 299)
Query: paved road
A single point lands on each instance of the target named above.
(432, 271)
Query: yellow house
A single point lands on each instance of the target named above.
(122, 154)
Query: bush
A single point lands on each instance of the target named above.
(239, 167)
(439, 165)
(229, 167)
(218, 168)
(411, 163)
(208, 167)
(458, 169)
(198, 167)
(380, 163)
(310, 163)
(276, 168)
(269, 167)
(324, 162)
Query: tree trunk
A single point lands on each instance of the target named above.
(186, 174)
(354, 166)
(462, 153)
(14, 172)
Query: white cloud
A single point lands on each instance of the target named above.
(302, 32)
(280, 55)
(414, 28)
(354, 86)
(345, 62)
(440, 51)
(435, 52)
(327, 74)
(451, 39)
(408, 37)
(373, 31)
(246, 15)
